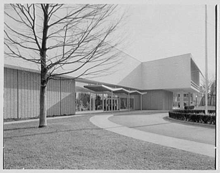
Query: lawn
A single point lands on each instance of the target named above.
(75, 143)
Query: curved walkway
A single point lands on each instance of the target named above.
(161, 125)
(102, 121)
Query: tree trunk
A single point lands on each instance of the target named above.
(43, 90)
(44, 70)
(43, 107)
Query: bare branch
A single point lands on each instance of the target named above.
(78, 36)
(68, 16)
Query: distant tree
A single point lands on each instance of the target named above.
(98, 101)
(61, 39)
(211, 93)
(85, 98)
(202, 86)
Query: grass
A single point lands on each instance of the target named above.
(75, 143)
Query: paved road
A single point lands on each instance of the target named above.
(154, 129)
(156, 123)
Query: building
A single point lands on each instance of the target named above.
(134, 85)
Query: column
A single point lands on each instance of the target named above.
(127, 101)
(119, 103)
(181, 100)
(134, 108)
(141, 100)
(112, 102)
(93, 103)
(90, 101)
(103, 101)
(196, 100)
(189, 95)
(106, 103)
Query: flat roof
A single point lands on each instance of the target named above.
(102, 88)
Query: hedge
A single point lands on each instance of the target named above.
(197, 116)
(194, 111)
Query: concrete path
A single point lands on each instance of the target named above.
(102, 121)
(161, 125)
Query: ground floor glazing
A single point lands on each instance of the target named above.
(87, 101)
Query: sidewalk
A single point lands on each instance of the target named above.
(181, 144)
(82, 113)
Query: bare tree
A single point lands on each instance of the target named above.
(210, 85)
(211, 93)
(61, 39)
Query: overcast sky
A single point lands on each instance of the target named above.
(160, 31)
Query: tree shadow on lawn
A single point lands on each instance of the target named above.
(21, 128)
(44, 131)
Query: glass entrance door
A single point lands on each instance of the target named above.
(110, 104)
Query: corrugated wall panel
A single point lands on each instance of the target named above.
(10, 93)
(22, 95)
(53, 97)
(137, 102)
(36, 93)
(67, 97)
(28, 84)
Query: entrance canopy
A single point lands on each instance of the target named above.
(102, 88)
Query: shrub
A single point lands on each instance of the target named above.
(189, 107)
(197, 116)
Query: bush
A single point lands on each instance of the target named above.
(189, 107)
(194, 111)
(197, 116)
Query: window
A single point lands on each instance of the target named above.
(123, 103)
(82, 101)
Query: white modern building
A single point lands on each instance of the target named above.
(134, 85)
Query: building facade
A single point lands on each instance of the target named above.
(22, 95)
(134, 86)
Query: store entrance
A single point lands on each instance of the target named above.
(111, 104)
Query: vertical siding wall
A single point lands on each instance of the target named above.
(53, 97)
(28, 94)
(67, 97)
(10, 94)
(137, 102)
(158, 100)
(22, 95)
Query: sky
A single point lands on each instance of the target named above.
(163, 30)
(156, 31)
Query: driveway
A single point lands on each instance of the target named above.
(158, 124)
(155, 129)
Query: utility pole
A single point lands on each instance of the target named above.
(206, 64)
